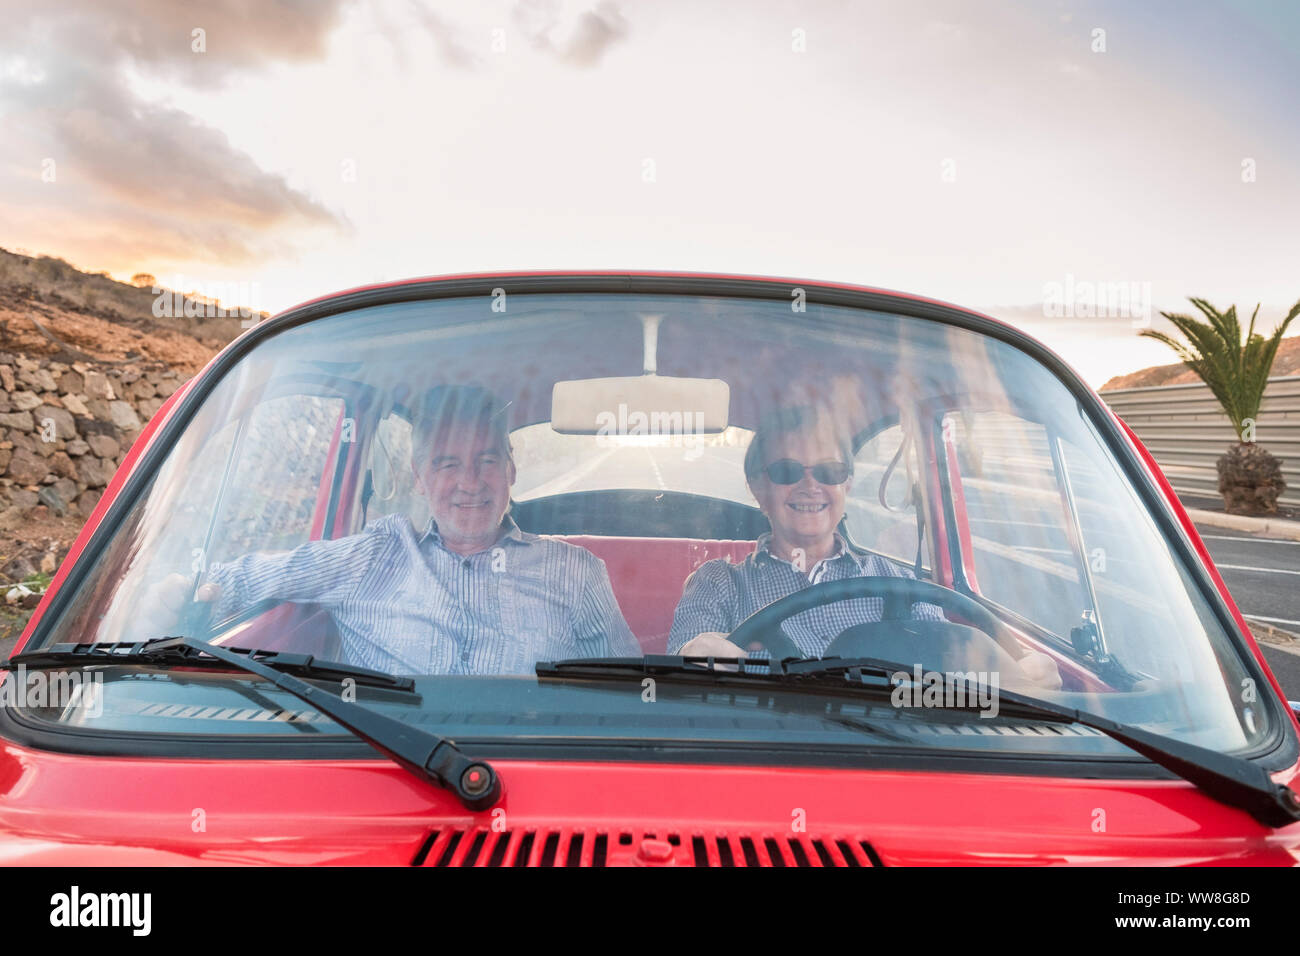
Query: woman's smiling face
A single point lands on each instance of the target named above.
(806, 513)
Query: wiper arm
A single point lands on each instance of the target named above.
(158, 651)
(1228, 779)
(428, 756)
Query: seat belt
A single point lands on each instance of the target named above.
(367, 492)
(896, 608)
(920, 528)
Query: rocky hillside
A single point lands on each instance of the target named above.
(1286, 363)
(84, 364)
(67, 428)
(49, 308)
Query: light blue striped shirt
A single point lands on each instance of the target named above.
(719, 595)
(405, 604)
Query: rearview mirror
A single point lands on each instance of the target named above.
(640, 405)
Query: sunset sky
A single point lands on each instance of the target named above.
(990, 154)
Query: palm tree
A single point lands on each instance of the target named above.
(1250, 477)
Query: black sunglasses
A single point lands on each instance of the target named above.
(787, 471)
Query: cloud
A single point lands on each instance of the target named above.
(239, 35)
(595, 31)
(445, 38)
(67, 96)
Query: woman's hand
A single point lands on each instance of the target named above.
(713, 644)
(1041, 670)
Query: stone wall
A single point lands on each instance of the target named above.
(65, 428)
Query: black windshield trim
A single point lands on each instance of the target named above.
(865, 754)
(861, 756)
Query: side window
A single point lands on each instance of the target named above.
(391, 486)
(1134, 598)
(888, 528)
(1021, 548)
(284, 457)
(215, 513)
(193, 502)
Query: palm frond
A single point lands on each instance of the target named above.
(1235, 369)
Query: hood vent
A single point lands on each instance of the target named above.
(545, 847)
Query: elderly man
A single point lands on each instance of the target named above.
(799, 468)
(471, 593)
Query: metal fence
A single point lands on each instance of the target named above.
(1186, 431)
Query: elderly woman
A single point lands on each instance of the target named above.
(799, 468)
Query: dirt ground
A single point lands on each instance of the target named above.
(40, 532)
(105, 337)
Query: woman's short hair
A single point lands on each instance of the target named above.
(782, 421)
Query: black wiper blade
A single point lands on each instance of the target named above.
(428, 756)
(865, 672)
(157, 652)
(1230, 780)
(729, 671)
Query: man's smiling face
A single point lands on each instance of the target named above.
(466, 473)
(806, 513)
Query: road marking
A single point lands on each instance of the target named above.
(659, 475)
(1246, 567)
(1018, 524)
(1058, 527)
(1230, 537)
(1268, 620)
(1069, 574)
(565, 480)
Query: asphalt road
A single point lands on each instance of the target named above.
(1286, 668)
(1263, 575)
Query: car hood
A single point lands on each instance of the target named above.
(69, 810)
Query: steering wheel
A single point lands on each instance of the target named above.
(764, 626)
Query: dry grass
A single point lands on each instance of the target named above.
(57, 283)
(46, 277)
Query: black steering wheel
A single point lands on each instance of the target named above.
(764, 626)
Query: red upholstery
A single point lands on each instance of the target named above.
(299, 628)
(648, 574)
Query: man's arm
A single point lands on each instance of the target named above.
(600, 628)
(322, 572)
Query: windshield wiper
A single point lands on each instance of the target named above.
(1231, 780)
(428, 756)
(162, 652)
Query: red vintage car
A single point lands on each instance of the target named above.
(267, 646)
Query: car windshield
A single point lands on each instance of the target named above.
(459, 488)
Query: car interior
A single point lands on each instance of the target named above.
(650, 540)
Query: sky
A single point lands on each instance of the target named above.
(1018, 159)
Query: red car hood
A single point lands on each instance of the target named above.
(58, 809)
